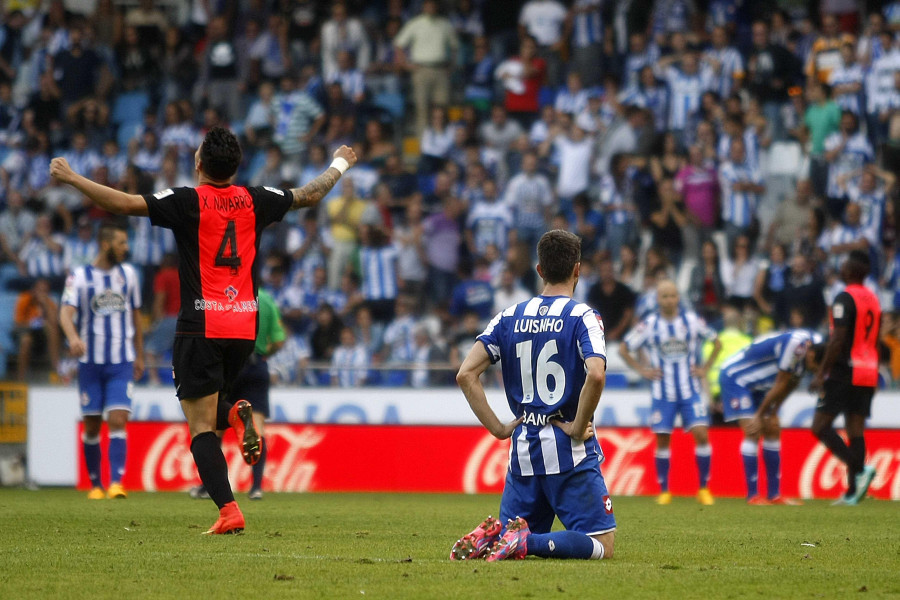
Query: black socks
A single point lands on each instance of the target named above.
(212, 467)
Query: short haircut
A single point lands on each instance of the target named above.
(220, 154)
(558, 252)
(858, 265)
(108, 230)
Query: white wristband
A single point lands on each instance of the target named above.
(340, 164)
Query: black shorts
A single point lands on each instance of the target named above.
(252, 385)
(842, 397)
(205, 366)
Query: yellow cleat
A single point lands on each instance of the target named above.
(96, 493)
(116, 491)
(664, 498)
(704, 497)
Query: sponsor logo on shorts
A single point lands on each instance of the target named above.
(607, 505)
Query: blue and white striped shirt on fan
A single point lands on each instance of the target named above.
(843, 76)
(150, 243)
(40, 260)
(587, 26)
(105, 303)
(685, 91)
(379, 272)
(78, 252)
(542, 345)
(674, 348)
(738, 208)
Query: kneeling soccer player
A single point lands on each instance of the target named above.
(553, 355)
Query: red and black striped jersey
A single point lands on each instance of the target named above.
(217, 232)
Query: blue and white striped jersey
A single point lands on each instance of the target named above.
(756, 366)
(844, 75)
(738, 207)
(78, 252)
(587, 24)
(40, 259)
(105, 303)
(490, 223)
(731, 67)
(871, 205)
(751, 147)
(685, 90)
(83, 162)
(542, 345)
(856, 153)
(673, 347)
(379, 272)
(149, 242)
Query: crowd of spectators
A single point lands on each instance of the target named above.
(740, 148)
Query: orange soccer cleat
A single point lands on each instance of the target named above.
(231, 520)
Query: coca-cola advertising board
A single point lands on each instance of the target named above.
(384, 458)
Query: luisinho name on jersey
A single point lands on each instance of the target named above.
(542, 345)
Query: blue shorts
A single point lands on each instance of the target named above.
(737, 401)
(103, 388)
(578, 497)
(692, 410)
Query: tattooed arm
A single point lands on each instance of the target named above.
(313, 192)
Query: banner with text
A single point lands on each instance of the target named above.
(362, 458)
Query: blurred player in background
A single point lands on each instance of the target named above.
(849, 373)
(553, 356)
(252, 384)
(755, 382)
(217, 227)
(100, 319)
(669, 342)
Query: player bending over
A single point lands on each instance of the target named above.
(553, 355)
(671, 339)
(755, 382)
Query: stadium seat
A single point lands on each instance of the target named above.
(129, 107)
(683, 277)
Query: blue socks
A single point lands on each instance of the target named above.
(661, 458)
(772, 461)
(564, 544)
(117, 445)
(91, 449)
(751, 466)
(703, 455)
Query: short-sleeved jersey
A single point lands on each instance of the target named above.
(857, 308)
(673, 347)
(105, 302)
(543, 344)
(217, 232)
(756, 366)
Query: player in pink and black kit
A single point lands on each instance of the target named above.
(217, 227)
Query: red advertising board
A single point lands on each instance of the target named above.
(387, 458)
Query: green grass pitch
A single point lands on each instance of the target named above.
(57, 544)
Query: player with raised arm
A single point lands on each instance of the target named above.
(848, 375)
(553, 354)
(99, 317)
(670, 340)
(217, 226)
(755, 382)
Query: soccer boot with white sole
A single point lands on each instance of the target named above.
(513, 544)
(231, 520)
(477, 543)
(241, 418)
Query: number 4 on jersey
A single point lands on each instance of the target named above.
(229, 244)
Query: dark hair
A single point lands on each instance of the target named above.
(858, 265)
(108, 230)
(220, 154)
(558, 252)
